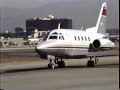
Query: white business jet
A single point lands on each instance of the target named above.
(70, 43)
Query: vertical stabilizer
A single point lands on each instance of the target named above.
(101, 23)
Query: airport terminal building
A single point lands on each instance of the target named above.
(47, 24)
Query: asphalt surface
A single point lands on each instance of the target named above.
(38, 65)
(63, 79)
(76, 76)
(16, 48)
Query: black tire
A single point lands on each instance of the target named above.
(61, 64)
(51, 66)
(90, 64)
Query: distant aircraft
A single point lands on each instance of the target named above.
(35, 39)
(76, 44)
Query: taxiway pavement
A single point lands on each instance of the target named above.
(76, 76)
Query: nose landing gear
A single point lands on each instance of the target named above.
(51, 65)
(61, 64)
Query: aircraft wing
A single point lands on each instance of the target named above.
(103, 53)
(79, 54)
(111, 36)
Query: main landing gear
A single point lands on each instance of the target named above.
(61, 63)
(51, 65)
(92, 63)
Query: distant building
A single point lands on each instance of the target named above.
(19, 33)
(19, 30)
(48, 23)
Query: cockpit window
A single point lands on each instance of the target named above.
(53, 37)
(61, 36)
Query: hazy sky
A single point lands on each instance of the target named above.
(15, 12)
(25, 3)
(36, 3)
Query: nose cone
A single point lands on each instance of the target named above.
(41, 47)
(40, 50)
(113, 45)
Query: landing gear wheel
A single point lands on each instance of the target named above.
(61, 64)
(90, 64)
(51, 66)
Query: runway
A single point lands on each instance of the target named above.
(104, 76)
(64, 79)
(11, 49)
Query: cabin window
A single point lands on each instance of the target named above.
(78, 38)
(82, 38)
(88, 38)
(85, 38)
(62, 37)
(75, 37)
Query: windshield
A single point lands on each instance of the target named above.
(53, 36)
(61, 36)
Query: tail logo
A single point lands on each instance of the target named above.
(104, 11)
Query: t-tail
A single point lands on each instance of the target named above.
(101, 22)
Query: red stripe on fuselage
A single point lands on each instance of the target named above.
(71, 47)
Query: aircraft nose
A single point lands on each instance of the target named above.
(113, 44)
(40, 47)
(41, 53)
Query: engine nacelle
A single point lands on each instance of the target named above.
(96, 43)
(102, 43)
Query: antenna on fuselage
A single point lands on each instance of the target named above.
(59, 26)
(81, 28)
